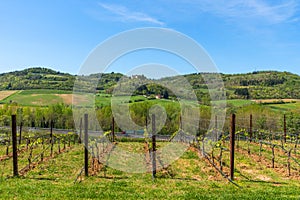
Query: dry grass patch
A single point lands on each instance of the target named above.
(275, 100)
(78, 99)
(6, 93)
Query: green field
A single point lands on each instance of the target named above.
(235, 102)
(34, 98)
(285, 107)
(190, 177)
(47, 97)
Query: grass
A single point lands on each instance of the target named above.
(6, 93)
(187, 178)
(235, 102)
(40, 97)
(285, 107)
(35, 97)
(45, 97)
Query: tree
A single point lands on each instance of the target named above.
(165, 94)
(242, 92)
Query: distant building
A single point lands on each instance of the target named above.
(141, 77)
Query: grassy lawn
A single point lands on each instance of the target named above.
(190, 177)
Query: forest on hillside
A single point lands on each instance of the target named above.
(255, 85)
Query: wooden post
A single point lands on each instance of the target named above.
(86, 143)
(113, 129)
(180, 122)
(220, 158)
(251, 128)
(80, 132)
(289, 162)
(232, 138)
(14, 143)
(284, 128)
(51, 138)
(153, 147)
(216, 127)
(20, 136)
(146, 121)
(273, 156)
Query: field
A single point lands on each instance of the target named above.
(295, 106)
(6, 93)
(235, 102)
(46, 97)
(192, 176)
(43, 97)
(189, 177)
(34, 98)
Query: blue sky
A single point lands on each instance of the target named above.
(239, 35)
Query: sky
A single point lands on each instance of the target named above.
(239, 35)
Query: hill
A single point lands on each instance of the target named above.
(255, 85)
(44, 78)
(36, 78)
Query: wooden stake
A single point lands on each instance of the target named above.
(14, 143)
(153, 148)
(232, 141)
(86, 143)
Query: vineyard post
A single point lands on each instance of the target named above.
(14, 143)
(220, 158)
(80, 131)
(284, 128)
(216, 127)
(232, 138)
(113, 129)
(203, 143)
(42, 154)
(251, 127)
(86, 143)
(7, 144)
(58, 145)
(180, 122)
(273, 156)
(289, 162)
(153, 147)
(51, 137)
(20, 136)
(296, 143)
(74, 137)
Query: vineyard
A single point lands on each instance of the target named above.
(242, 159)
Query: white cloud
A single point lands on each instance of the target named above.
(124, 14)
(251, 9)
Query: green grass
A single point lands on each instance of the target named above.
(35, 97)
(236, 102)
(187, 178)
(46, 97)
(104, 100)
(285, 107)
(40, 97)
(42, 91)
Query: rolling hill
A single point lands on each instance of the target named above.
(255, 85)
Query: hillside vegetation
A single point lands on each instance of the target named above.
(255, 85)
